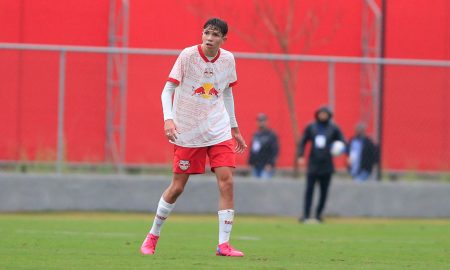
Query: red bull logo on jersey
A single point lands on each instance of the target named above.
(206, 91)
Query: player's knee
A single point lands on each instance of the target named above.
(226, 183)
(178, 190)
(175, 191)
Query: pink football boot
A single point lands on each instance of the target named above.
(225, 249)
(149, 245)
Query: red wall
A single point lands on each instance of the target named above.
(416, 99)
(417, 123)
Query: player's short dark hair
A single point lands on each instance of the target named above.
(218, 24)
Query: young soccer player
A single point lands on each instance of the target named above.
(201, 121)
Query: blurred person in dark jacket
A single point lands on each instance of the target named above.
(321, 134)
(264, 150)
(362, 154)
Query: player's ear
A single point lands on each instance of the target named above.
(224, 38)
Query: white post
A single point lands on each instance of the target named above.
(61, 92)
(331, 86)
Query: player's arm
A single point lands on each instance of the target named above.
(170, 129)
(229, 106)
(275, 147)
(301, 146)
(340, 135)
(241, 145)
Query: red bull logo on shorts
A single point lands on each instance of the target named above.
(184, 164)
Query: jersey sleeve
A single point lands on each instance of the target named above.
(179, 68)
(302, 143)
(229, 106)
(166, 99)
(233, 75)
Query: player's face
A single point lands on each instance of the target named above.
(262, 123)
(323, 116)
(212, 39)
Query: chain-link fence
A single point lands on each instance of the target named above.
(64, 105)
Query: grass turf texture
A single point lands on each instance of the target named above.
(112, 241)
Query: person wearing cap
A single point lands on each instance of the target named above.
(264, 150)
(321, 134)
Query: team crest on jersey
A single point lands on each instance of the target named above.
(208, 72)
(206, 91)
(184, 164)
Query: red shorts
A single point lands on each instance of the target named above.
(193, 160)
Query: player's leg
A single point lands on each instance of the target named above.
(309, 192)
(176, 187)
(186, 161)
(223, 161)
(362, 176)
(167, 201)
(268, 172)
(256, 171)
(226, 212)
(165, 206)
(324, 182)
(225, 183)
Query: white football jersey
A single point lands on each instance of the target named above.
(198, 107)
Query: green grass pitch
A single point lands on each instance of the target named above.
(111, 241)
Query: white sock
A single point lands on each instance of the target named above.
(225, 224)
(163, 211)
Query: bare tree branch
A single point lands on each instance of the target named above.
(290, 18)
(285, 37)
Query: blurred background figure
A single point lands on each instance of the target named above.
(362, 154)
(264, 150)
(321, 133)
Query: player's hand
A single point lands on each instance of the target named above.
(240, 142)
(301, 161)
(170, 130)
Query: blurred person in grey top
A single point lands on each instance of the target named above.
(321, 134)
(362, 154)
(264, 150)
